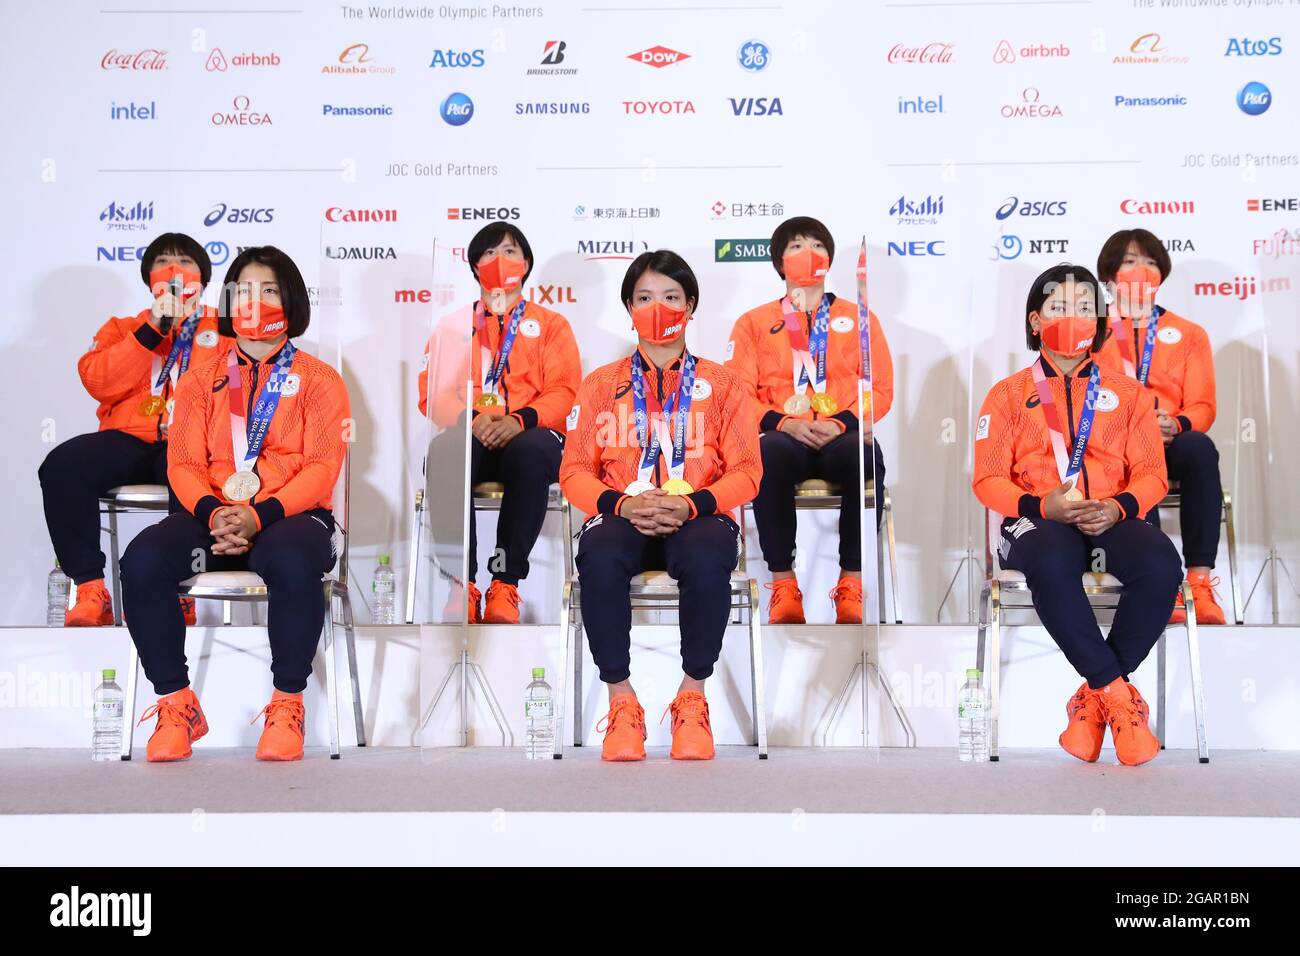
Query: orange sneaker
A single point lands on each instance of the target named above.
(282, 733)
(502, 606)
(187, 609)
(624, 729)
(847, 595)
(94, 607)
(1086, 730)
(786, 606)
(473, 596)
(1127, 713)
(180, 723)
(692, 736)
(1208, 610)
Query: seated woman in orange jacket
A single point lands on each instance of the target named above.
(1070, 456)
(799, 359)
(132, 370)
(1172, 357)
(662, 449)
(525, 367)
(256, 449)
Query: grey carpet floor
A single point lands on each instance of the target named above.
(927, 780)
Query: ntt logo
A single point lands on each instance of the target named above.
(1254, 98)
(457, 109)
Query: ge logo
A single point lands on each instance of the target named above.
(218, 252)
(754, 56)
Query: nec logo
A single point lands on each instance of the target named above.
(917, 248)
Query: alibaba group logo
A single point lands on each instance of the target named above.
(1147, 43)
(356, 53)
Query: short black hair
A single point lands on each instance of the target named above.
(176, 244)
(1115, 248)
(1046, 284)
(293, 291)
(490, 236)
(665, 262)
(799, 226)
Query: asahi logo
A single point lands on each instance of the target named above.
(75, 909)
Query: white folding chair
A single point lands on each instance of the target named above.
(487, 496)
(127, 499)
(248, 587)
(656, 590)
(816, 495)
(1005, 590)
(1174, 499)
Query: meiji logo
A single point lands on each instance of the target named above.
(1243, 287)
(73, 909)
(658, 56)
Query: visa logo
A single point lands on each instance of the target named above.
(756, 106)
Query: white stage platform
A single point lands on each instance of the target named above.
(489, 806)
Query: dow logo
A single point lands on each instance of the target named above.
(457, 109)
(1254, 98)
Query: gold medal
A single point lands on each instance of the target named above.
(825, 404)
(797, 405)
(1074, 494)
(487, 400)
(676, 486)
(241, 486)
(153, 405)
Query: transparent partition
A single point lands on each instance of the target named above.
(440, 564)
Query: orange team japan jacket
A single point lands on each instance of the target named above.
(602, 453)
(760, 355)
(1015, 467)
(1182, 368)
(304, 449)
(118, 369)
(541, 377)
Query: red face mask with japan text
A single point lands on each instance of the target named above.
(658, 322)
(1069, 335)
(258, 320)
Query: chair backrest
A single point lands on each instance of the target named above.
(992, 522)
(344, 524)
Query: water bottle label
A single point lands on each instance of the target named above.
(108, 710)
(971, 711)
(538, 710)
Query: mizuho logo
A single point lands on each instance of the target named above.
(1013, 206)
(457, 109)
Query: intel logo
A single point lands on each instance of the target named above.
(457, 109)
(1254, 99)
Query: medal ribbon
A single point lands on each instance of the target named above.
(1120, 327)
(677, 410)
(493, 371)
(808, 351)
(864, 343)
(248, 436)
(1068, 465)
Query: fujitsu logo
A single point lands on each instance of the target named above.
(929, 53)
(658, 56)
(149, 59)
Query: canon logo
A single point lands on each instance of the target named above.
(929, 53)
(1156, 207)
(339, 214)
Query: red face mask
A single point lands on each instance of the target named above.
(258, 320)
(500, 274)
(659, 323)
(160, 281)
(1068, 335)
(1138, 284)
(806, 267)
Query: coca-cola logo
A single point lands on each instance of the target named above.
(927, 53)
(149, 59)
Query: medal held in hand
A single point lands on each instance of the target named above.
(248, 434)
(241, 486)
(824, 404)
(797, 405)
(677, 486)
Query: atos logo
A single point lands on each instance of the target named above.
(454, 58)
(756, 106)
(222, 212)
(1244, 47)
(1012, 206)
(457, 109)
(1254, 98)
(916, 248)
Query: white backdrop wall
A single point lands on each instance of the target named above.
(877, 104)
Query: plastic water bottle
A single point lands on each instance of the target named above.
(539, 718)
(383, 610)
(57, 597)
(972, 719)
(106, 737)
